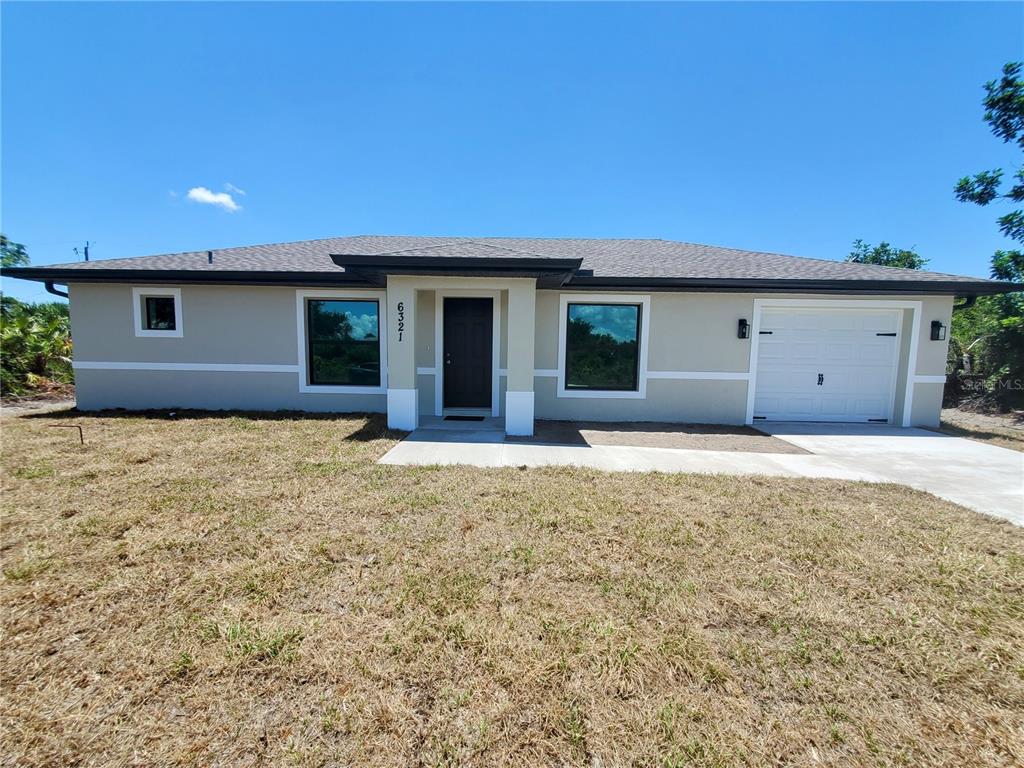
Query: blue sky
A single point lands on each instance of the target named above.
(782, 127)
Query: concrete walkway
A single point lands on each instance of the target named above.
(979, 476)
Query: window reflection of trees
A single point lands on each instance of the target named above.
(602, 347)
(344, 344)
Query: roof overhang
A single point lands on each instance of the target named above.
(549, 273)
(370, 271)
(791, 285)
(181, 276)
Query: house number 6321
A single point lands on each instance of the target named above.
(401, 319)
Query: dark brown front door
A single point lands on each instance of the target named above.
(467, 353)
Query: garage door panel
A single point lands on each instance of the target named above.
(799, 405)
(773, 350)
(803, 351)
(867, 383)
(880, 322)
(768, 405)
(877, 352)
(867, 408)
(840, 382)
(834, 407)
(857, 367)
(844, 352)
(775, 380)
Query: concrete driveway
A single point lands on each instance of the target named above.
(979, 476)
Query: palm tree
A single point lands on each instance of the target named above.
(36, 346)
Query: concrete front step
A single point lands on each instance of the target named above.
(451, 436)
(438, 424)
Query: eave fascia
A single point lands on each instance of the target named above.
(181, 277)
(757, 285)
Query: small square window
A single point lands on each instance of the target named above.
(159, 315)
(157, 311)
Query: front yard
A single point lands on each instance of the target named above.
(211, 589)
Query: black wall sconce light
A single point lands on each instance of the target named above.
(743, 330)
(938, 331)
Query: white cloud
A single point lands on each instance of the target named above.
(232, 188)
(363, 326)
(208, 197)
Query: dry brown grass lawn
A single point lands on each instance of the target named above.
(1004, 430)
(250, 590)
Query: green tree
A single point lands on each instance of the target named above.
(1004, 112)
(12, 254)
(35, 339)
(992, 332)
(885, 255)
(36, 344)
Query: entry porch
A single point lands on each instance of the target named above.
(461, 348)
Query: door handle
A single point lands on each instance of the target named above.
(447, 358)
(821, 379)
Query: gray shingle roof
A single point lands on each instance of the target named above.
(626, 259)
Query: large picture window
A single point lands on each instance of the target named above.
(343, 339)
(602, 347)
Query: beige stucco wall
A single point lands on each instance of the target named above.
(235, 324)
(931, 355)
(425, 329)
(210, 390)
(240, 325)
(688, 331)
(927, 405)
(707, 402)
(221, 325)
(696, 332)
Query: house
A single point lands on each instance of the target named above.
(518, 328)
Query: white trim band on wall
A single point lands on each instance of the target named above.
(88, 365)
(700, 375)
(681, 375)
(543, 372)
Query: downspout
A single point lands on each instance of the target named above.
(54, 291)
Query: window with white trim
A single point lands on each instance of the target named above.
(157, 311)
(602, 347)
(343, 342)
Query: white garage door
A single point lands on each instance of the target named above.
(826, 364)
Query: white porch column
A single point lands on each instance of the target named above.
(522, 298)
(403, 399)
